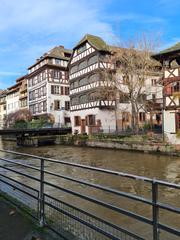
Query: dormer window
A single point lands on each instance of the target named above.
(57, 61)
(81, 49)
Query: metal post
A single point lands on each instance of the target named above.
(41, 195)
(155, 210)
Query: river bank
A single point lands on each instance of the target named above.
(140, 143)
(132, 143)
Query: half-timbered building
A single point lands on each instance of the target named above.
(170, 60)
(48, 86)
(89, 112)
(92, 110)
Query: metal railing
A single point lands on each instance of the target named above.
(69, 220)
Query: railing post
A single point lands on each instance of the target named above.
(41, 195)
(155, 210)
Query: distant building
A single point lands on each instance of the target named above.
(2, 108)
(170, 60)
(48, 86)
(23, 98)
(90, 111)
(16, 96)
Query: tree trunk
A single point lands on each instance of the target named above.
(134, 119)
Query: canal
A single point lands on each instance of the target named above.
(165, 168)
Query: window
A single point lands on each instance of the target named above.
(57, 61)
(55, 89)
(153, 82)
(91, 120)
(142, 117)
(56, 74)
(62, 90)
(176, 87)
(125, 116)
(56, 105)
(43, 75)
(153, 97)
(83, 81)
(77, 121)
(93, 78)
(74, 69)
(81, 49)
(66, 90)
(44, 106)
(82, 65)
(67, 105)
(92, 60)
(83, 98)
(177, 121)
(74, 101)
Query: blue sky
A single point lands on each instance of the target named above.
(30, 28)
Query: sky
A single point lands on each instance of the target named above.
(29, 28)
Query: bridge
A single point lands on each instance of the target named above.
(78, 210)
(35, 132)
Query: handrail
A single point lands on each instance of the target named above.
(103, 170)
(153, 202)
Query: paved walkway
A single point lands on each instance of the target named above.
(15, 226)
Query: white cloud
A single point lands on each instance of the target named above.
(52, 16)
(4, 73)
(137, 18)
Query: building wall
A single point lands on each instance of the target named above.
(170, 127)
(12, 102)
(61, 113)
(42, 100)
(104, 119)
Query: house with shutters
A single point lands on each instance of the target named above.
(92, 111)
(170, 60)
(48, 86)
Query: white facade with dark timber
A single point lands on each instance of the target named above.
(170, 60)
(48, 86)
(89, 112)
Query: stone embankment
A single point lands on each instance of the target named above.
(133, 143)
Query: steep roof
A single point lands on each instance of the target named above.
(173, 48)
(57, 52)
(95, 41)
(169, 52)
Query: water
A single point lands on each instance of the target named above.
(154, 166)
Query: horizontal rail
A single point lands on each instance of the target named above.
(111, 172)
(20, 173)
(104, 204)
(168, 208)
(19, 189)
(83, 222)
(154, 203)
(96, 218)
(169, 229)
(20, 183)
(20, 164)
(97, 186)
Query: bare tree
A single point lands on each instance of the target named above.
(131, 66)
(22, 115)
